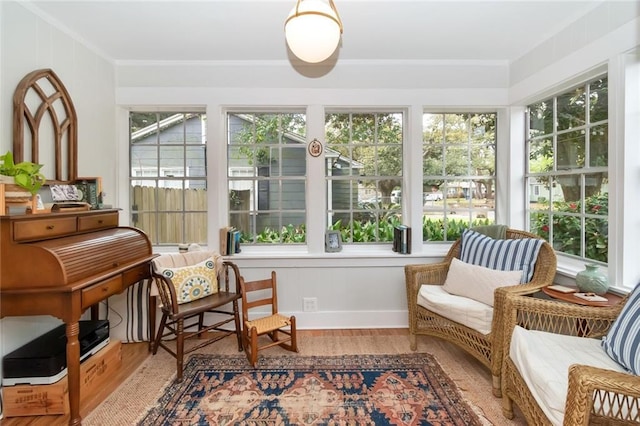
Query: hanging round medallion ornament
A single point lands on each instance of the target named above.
(315, 148)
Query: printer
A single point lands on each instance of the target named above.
(43, 360)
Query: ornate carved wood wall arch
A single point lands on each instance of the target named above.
(45, 125)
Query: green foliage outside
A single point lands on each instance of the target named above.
(365, 232)
(567, 227)
(457, 145)
(372, 140)
(289, 234)
(257, 138)
(434, 229)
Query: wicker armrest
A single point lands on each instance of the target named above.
(416, 275)
(556, 317)
(617, 395)
(432, 273)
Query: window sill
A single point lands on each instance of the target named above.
(349, 256)
(568, 267)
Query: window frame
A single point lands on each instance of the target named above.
(470, 210)
(556, 172)
(257, 180)
(181, 182)
(376, 210)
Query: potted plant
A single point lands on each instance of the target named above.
(25, 174)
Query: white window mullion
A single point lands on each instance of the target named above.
(316, 185)
(510, 167)
(413, 177)
(624, 161)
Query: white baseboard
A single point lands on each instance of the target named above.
(350, 319)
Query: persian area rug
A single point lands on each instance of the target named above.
(407, 389)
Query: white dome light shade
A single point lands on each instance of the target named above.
(313, 30)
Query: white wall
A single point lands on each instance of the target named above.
(28, 43)
(609, 29)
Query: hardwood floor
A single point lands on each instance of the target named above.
(134, 354)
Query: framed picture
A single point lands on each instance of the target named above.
(332, 241)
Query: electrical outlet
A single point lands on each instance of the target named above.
(309, 304)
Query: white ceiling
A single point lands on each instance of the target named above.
(253, 30)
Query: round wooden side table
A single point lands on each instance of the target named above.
(612, 298)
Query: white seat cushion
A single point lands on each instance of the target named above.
(469, 312)
(543, 360)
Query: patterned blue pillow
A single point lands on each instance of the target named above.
(622, 343)
(518, 254)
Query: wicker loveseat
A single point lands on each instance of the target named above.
(487, 345)
(556, 370)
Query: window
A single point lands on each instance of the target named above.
(567, 148)
(459, 169)
(168, 176)
(266, 158)
(364, 174)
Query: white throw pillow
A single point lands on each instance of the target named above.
(477, 282)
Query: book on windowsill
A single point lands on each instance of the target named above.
(402, 239)
(591, 297)
(227, 241)
(562, 288)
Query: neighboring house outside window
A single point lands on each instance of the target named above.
(266, 157)
(168, 176)
(567, 145)
(364, 174)
(459, 173)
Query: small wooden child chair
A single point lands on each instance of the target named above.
(270, 325)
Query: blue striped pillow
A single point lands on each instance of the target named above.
(622, 342)
(518, 254)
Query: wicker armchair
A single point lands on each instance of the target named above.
(487, 348)
(594, 395)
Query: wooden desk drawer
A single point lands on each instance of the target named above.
(100, 291)
(133, 275)
(44, 228)
(97, 221)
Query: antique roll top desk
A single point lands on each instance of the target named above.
(61, 264)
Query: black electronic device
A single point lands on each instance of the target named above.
(44, 360)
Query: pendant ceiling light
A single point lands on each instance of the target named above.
(313, 30)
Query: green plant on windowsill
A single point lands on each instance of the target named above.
(25, 174)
